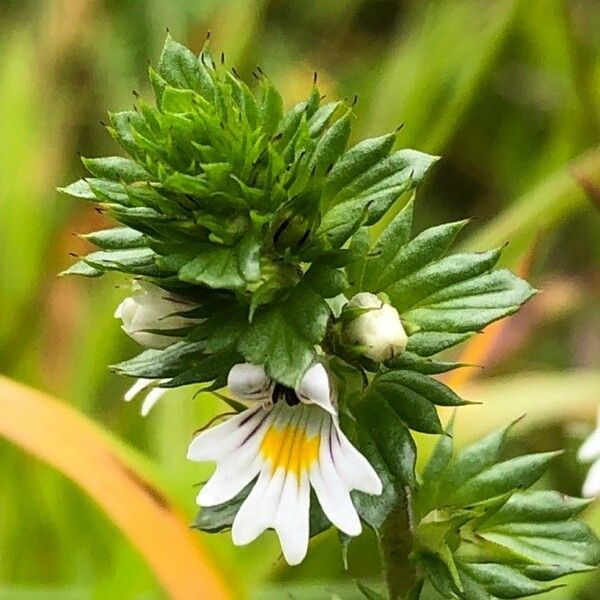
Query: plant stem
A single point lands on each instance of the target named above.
(396, 541)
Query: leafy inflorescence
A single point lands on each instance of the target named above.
(263, 219)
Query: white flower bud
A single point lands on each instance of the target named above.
(249, 382)
(152, 308)
(378, 330)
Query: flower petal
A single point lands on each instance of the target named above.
(218, 442)
(315, 389)
(230, 477)
(591, 486)
(590, 449)
(292, 519)
(354, 469)
(332, 492)
(137, 387)
(249, 382)
(257, 510)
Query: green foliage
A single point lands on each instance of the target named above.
(482, 533)
(442, 299)
(224, 191)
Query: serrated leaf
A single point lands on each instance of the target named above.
(330, 145)
(432, 389)
(374, 510)
(520, 472)
(248, 256)
(83, 269)
(318, 121)
(118, 238)
(472, 304)
(418, 286)
(179, 67)
(428, 343)
(283, 335)
(117, 168)
(415, 410)
(210, 368)
(159, 364)
(271, 107)
(394, 236)
(539, 506)
(474, 459)
(327, 281)
(425, 248)
(356, 161)
(135, 261)
(500, 581)
(79, 189)
(396, 169)
(215, 267)
(121, 129)
(502, 541)
(390, 436)
(413, 362)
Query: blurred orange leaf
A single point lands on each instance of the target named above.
(69, 442)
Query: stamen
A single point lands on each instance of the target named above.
(282, 392)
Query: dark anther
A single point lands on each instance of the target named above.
(282, 392)
(280, 230)
(315, 77)
(290, 396)
(355, 100)
(222, 58)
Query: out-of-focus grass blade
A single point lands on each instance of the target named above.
(66, 440)
(434, 72)
(544, 398)
(554, 198)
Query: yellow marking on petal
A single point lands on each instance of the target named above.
(290, 448)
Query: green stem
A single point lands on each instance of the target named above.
(396, 541)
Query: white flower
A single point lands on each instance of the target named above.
(153, 308)
(590, 452)
(292, 441)
(153, 395)
(379, 330)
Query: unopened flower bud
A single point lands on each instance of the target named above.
(378, 329)
(152, 308)
(295, 222)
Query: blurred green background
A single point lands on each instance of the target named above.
(507, 91)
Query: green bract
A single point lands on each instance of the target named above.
(262, 215)
(482, 533)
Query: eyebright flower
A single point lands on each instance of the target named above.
(378, 330)
(590, 452)
(152, 308)
(153, 395)
(288, 443)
